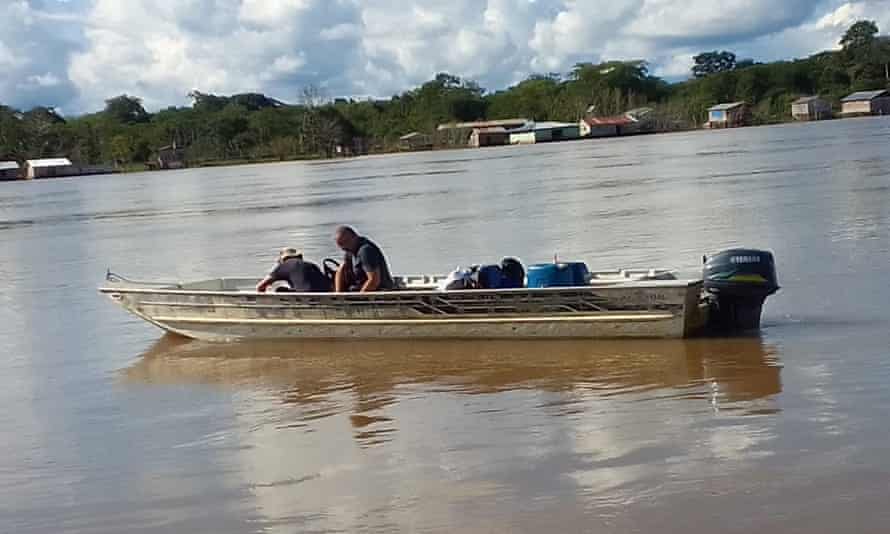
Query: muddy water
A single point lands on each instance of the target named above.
(108, 426)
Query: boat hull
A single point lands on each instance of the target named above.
(218, 312)
(652, 325)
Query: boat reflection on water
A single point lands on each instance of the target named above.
(720, 371)
(321, 433)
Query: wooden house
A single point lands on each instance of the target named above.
(415, 141)
(634, 121)
(489, 136)
(811, 108)
(171, 157)
(866, 103)
(603, 126)
(729, 115)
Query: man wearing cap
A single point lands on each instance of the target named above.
(364, 267)
(301, 276)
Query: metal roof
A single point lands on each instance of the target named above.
(806, 99)
(639, 111)
(543, 125)
(49, 162)
(608, 121)
(860, 96)
(506, 123)
(726, 107)
(551, 125)
(411, 135)
(637, 114)
(8, 165)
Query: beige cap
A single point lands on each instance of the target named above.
(286, 253)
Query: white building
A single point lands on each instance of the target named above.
(543, 132)
(48, 168)
(9, 170)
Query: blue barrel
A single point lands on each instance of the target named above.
(571, 274)
(488, 277)
(578, 273)
(543, 275)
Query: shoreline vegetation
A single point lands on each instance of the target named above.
(254, 128)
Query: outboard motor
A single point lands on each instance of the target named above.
(738, 281)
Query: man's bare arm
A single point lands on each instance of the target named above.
(373, 282)
(264, 284)
(341, 279)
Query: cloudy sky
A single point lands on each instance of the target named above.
(73, 54)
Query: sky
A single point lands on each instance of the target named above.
(73, 54)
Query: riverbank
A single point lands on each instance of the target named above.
(232, 162)
(462, 147)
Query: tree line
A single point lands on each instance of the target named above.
(255, 127)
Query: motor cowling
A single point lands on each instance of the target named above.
(738, 282)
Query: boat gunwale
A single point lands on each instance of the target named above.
(638, 284)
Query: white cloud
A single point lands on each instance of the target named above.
(8, 59)
(822, 32)
(283, 67)
(845, 15)
(726, 20)
(341, 31)
(79, 52)
(677, 66)
(35, 41)
(220, 46)
(43, 80)
(269, 13)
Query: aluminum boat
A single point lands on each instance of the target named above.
(648, 303)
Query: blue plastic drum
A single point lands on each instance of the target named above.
(543, 275)
(570, 274)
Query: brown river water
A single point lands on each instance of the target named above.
(108, 426)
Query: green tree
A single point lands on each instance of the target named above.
(882, 54)
(283, 147)
(535, 98)
(866, 56)
(125, 109)
(42, 132)
(446, 98)
(366, 117)
(82, 141)
(121, 150)
(708, 63)
(752, 84)
(207, 103)
(608, 88)
(228, 127)
(254, 101)
(860, 36)
(13, 137)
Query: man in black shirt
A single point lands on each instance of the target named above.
(301, 276)
(364, 267)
